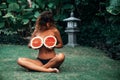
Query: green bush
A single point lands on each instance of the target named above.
(12, 39)
(100, 25)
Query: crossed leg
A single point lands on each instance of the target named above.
(36, 65)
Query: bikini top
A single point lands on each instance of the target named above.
(48, 41)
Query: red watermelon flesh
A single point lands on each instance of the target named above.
(50, 41)
(36, 42)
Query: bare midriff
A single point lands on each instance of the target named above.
(45, 53)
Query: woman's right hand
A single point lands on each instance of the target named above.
(29, 46)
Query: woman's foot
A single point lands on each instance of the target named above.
(55, 70)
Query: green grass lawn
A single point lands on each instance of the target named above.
(81, 63)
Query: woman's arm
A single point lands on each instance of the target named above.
(32, 36)
(59, 39)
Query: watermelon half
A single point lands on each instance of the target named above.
(50, 41)
(36, 42)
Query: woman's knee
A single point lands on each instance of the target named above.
(20, 60)
(61, 57)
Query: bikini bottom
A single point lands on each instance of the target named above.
(44, 61)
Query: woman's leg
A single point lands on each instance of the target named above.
(34, 65)
(55, 62)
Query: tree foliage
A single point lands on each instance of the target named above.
(100, 25)
(114, 7)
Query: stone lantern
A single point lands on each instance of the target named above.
(72, 30)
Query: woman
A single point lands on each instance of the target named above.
(47, 60)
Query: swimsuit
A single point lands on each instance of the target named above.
(44, 61)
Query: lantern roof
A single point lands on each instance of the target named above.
(72, 18)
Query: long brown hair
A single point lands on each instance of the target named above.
(41, 21)
(44, 17)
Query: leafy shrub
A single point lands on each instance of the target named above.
(100, 25)
(12, 39)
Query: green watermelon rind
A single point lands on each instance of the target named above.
(37, 46)
(50, 46)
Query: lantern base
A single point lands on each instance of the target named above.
(72, 45)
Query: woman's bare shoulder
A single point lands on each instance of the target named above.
(55, 29)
